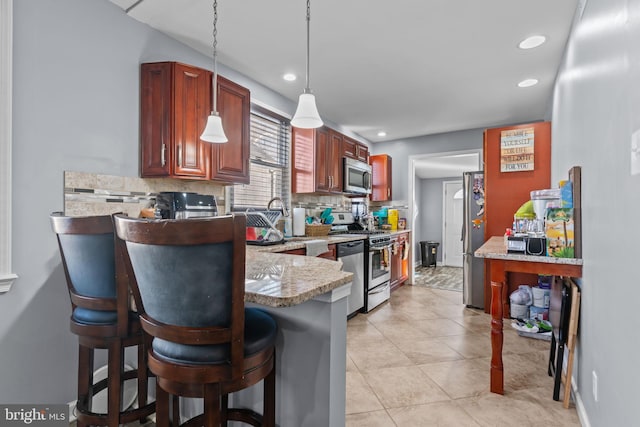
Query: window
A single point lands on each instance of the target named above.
(269, 162)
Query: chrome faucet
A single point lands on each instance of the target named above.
(285, 211)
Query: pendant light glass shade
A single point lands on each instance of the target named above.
(307, 116)
(213, 132)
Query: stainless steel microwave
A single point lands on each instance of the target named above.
(356, 177)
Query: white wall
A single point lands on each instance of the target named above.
(596, 108)
(75, 107)
(400, 150)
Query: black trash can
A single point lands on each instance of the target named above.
(429, 252)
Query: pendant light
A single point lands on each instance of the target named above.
(213, 132)
(306, 115)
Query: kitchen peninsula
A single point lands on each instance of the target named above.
(307, 296)
(501, 263)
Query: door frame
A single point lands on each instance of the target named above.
(444, 218)
(411, 194)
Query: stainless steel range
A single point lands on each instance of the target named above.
(377, 259)
(379, 271)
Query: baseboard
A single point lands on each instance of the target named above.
(72, 412)
(580, 409)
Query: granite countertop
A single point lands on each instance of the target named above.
(495, 248)
(300, 242)
(282, 280)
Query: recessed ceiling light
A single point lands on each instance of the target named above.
(531, 42)
(382, 133)
(528, 83)
(289, 77)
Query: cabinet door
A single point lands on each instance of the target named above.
(380, 177)
(335, 162)
(303, 161)
(349, 148)
(330, 254)
(192, 104)
(301, 251)
(396, 263)
(174, 105)
(362, 153)
(230, 161)
(322, 159)
(156, 112)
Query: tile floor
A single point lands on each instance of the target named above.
(422, 359)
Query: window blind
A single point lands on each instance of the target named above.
(270, 137)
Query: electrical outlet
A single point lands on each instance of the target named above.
(594, 383)
(635, 153)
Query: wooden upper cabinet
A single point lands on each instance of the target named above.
(174, 103)
(316, 161)
(354, 150)
(230, 161)
(381, 178)
(322, 159)
(349, 148)
(334, 167)
(303, 160)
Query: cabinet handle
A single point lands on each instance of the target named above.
(180, 155)
(388, 192)
(163, 160)
(330, 181)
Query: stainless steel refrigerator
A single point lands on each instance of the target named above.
(472, 239)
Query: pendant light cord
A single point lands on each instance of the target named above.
(307, 89)
(215, 58)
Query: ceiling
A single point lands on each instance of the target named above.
(408, 67)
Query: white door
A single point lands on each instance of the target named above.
(452, 227)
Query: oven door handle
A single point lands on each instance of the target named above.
(381, 247)
(379, 289)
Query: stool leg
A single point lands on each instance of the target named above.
(269, 410)
(175, 410)
(143, 378)
(114, 387)
(212, 405)
(162, 406)
(224, 410)
(85, 381)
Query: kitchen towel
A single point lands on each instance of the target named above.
(316, 247)
(299, 217)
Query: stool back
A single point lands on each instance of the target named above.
(188, 278)
(95, 283)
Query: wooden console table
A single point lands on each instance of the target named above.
(500, 263)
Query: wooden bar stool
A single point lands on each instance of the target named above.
(188, 284)
(101, 318)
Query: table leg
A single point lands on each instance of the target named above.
(497, 374)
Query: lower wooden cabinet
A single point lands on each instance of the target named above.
(330, 254)
(399, 260)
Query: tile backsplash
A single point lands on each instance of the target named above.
(96, 194)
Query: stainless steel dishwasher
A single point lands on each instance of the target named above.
(352, 256)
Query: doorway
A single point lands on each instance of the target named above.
(452, 223)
